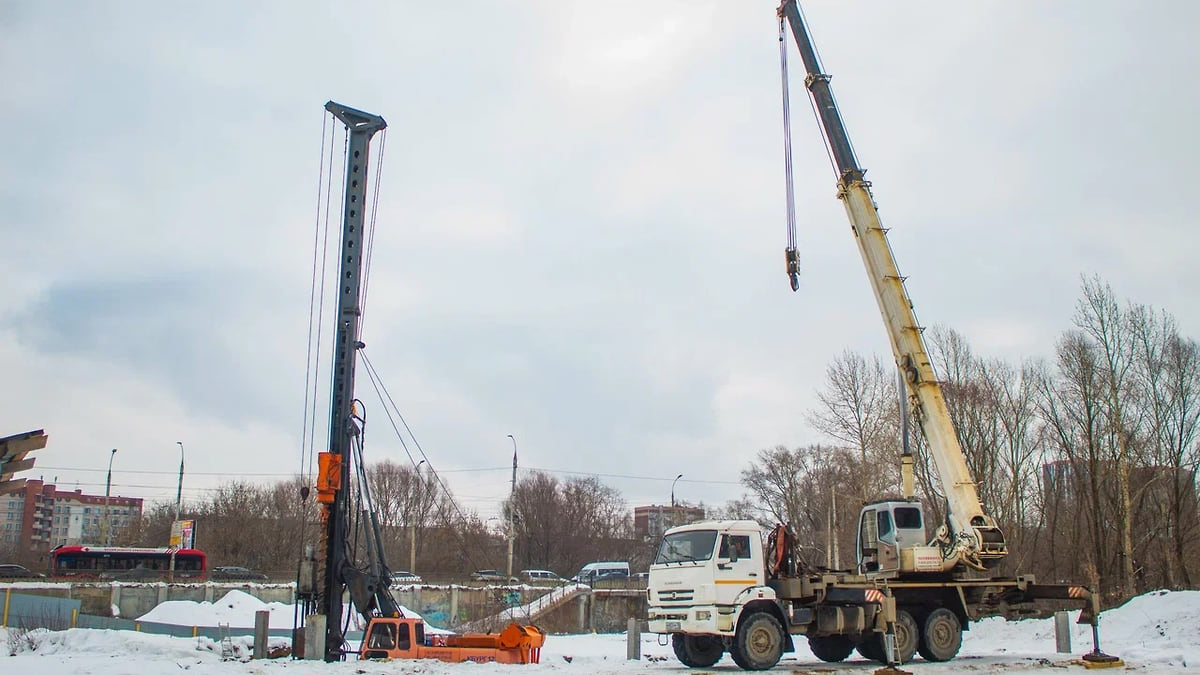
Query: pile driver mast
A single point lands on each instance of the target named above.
(369, 589)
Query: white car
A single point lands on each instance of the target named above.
(405, 578)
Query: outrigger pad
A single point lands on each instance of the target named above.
(1101, 660)
(889, 670)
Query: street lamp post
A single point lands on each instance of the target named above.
(673, 490)
(176, 524)
(107, 493)
(512, 505)
(179, 490)
(412, 522)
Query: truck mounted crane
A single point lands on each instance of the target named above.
(717, 586)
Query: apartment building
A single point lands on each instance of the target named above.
(39, 516)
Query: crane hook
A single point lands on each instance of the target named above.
(793, 266)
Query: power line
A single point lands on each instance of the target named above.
(464, 470)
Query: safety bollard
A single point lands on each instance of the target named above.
(1062, 632)
(633, 649)
(262, 621)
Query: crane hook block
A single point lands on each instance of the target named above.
(329, 476)
(793, 266)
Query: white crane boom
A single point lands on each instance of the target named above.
(973, 534)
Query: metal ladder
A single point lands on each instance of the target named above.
(228, 653)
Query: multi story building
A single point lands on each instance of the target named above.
(39, 516)
(649, 522)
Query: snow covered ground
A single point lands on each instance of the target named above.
(1155, 633)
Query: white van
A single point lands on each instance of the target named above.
(594, 571)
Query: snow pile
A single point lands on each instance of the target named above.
(236, 608)
(127, 646)
(1155, 633)
(1160, 626)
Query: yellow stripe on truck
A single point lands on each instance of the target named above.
(740, 582)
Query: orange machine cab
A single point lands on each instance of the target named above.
(394, 638)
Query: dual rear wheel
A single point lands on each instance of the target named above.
(938, 637)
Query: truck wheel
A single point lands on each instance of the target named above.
(941, 636)
(907, 636)
(831, 648)
(871, 649)
(697, 651)
(758, 643)
(906, 640)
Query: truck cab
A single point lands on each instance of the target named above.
(701, 575)
(891, 541)
(405, 638)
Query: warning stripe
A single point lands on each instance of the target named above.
(1076, 592)
(873, 595)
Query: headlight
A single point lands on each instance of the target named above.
(704, 615)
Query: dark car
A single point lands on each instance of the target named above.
(19, 572)
(235, 573)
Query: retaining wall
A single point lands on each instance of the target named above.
(591, 610)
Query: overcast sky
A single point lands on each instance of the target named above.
(581, 221)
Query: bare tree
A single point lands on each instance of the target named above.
(403, 498)
(798, 487)
(1075, 486)
(858, 408)
(1168, 377)
(1099, 316)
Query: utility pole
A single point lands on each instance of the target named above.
(179, 490)
(418, 490)
(107, 492)
(512, 505)
(176, 525)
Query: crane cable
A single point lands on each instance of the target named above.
(440, 487)
(791, 255)
(314, 316)
(369, 244)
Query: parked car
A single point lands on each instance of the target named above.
(542, 577)
(235, 573)
(492, 575)
(598, 571)
(405, 578)
(610, 576)
(19, 572)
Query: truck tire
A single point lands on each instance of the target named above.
(871, 649)
(758, 644)
(907, 639)
(941, 636)
(907, 636)
(831, 648)
(697, 651)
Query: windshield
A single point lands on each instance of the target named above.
(687, 546)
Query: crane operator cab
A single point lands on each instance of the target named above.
(890, 538)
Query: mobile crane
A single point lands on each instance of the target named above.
(715, 587)
(353, 558)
